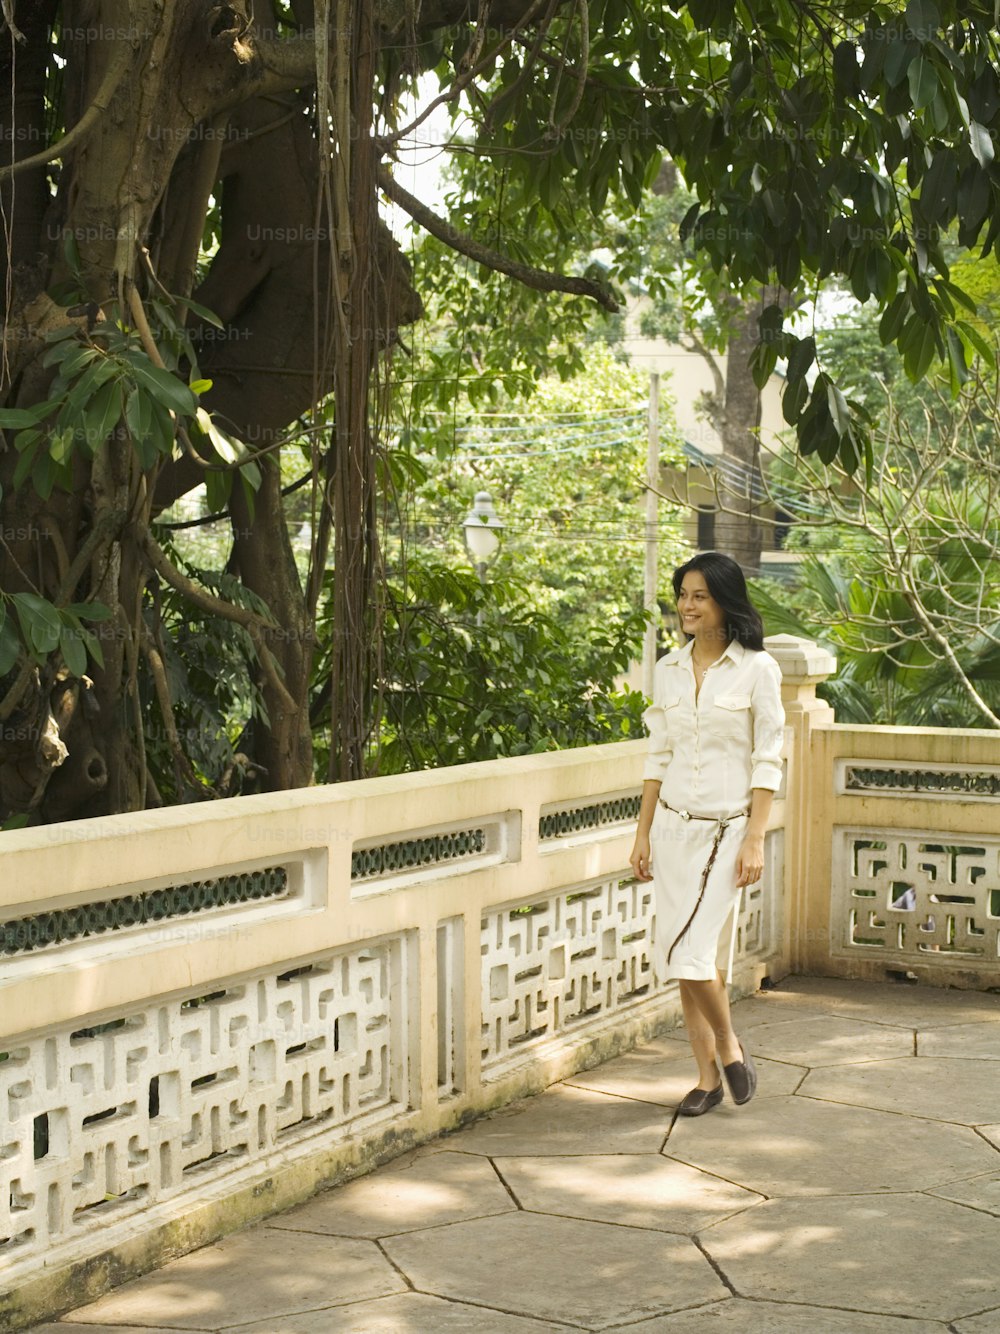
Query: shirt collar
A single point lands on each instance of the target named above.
(734, 650)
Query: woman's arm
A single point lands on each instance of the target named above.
(640, 856)
(750, 862)
(765, 769)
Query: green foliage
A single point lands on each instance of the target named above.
(566, 470)
(817, 141)
(208, 663)
(457, 691)
(38, 629)
(888, 670)
(105, 381)
(486, 339)
(528, 660)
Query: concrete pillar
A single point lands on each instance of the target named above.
(808, 798)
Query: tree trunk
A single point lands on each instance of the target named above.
(737, 531)
(185, 98)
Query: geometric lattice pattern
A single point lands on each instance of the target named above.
(577, 818)
(417, 853)
(550, 963)
(916, 895)
(896, 780)
(62, 925)
(760, 905)
(107, 1120)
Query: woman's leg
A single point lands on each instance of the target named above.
(701, 1036)
(709, 1000)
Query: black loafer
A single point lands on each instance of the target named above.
(741, 1076)
(699, 1101)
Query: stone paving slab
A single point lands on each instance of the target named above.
(799, 1146)
(591, 1275)
(980, 1041)
(771, 1007)
(246, 1277)
(829, 1040)
(896, 1255)
(412, 1193)
(414, 1313)
(891, 1002)
(742, 1317)
(944, 1089)
(979, 1193)
(648, 1076)
(565, 1120)
(607, 1187)
(986, 1323)
(635, 1190)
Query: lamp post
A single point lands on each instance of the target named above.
(483, 530)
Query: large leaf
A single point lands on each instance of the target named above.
(166, 389)
(10, 644)
(40, 623)
(17, 419)
(102, 414)
(72, 649)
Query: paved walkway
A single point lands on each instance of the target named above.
(858, 1193)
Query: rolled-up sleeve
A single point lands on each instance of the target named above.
(768, 727)
(660, 749)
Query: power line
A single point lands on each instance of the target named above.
(598, 412)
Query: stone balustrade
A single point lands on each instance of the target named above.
(209, 1012)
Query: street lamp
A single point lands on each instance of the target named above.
(483, 530)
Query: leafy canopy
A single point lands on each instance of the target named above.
(818, 140)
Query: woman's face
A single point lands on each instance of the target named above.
(699, 612)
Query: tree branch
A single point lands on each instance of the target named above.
(538, 279)
(183, 766)
(102, 100)
(475, 63)
(8, 13)
(254, 624)
(285, 63)
(696, 345)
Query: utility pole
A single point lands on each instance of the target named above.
(649, 589)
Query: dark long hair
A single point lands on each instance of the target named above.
(729, 589)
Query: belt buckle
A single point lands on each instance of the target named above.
(685, 815)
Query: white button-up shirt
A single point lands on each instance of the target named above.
(708, 754)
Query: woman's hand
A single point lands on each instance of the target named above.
(639, 859)
(750, 862)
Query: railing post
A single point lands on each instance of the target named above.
(804, 665)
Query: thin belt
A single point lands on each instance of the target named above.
(722, 822)
(714, 819)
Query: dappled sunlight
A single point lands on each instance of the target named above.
(430, 1190)
(581, 1205)
(907, 1254)
(637, 1190)
(827, 1040)
(765, 1241)
(247, 1277)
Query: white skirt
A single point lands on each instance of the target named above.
(680, 850)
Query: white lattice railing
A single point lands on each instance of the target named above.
(903, 853)
(207, 1012)
(105, 1120)
(184, 1028)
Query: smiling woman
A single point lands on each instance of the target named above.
(716, 729)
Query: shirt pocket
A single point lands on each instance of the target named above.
(730, 716)
(673, 716)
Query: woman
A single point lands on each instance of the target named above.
(716, 728)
